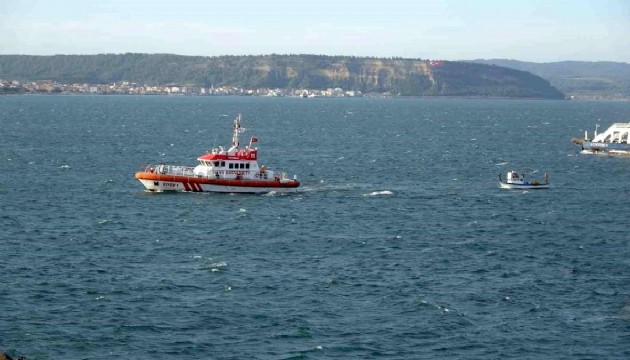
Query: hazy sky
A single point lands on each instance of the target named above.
(534, 30)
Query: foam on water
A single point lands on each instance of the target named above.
(377, 193)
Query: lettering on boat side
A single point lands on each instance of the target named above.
(237, 172)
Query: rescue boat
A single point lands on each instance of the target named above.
(234, 170)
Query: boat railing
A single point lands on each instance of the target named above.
(148, 168)
(169, 170)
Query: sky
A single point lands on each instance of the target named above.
(533, 30)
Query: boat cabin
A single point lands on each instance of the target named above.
(514, 178)
(232, 164)
(617, 133)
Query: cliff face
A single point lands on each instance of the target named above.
(413, 77)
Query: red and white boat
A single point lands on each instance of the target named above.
(230, 171)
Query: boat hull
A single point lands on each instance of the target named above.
(600, 148)
(162, 182)
(526, 186)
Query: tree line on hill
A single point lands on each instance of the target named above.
(579, 79)
(397, 76)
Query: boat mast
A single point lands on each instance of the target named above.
(237, 129)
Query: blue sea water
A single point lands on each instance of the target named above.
(400, 245)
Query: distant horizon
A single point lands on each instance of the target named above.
(306, 54)
(455, 30)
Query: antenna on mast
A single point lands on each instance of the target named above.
(237, 130)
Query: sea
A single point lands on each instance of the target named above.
(398, 245)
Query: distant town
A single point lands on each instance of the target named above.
(131, 88)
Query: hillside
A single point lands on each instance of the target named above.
(579, 79)
(407, 77)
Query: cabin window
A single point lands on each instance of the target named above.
(222, 163)
(624, 137)
(231, 166)
(217, 163)
(242, 166)
(247, 166)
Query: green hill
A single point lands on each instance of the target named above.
(407, 77)
(579, 79)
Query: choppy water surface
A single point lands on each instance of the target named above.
(399, 245)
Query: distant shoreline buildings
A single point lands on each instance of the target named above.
(131, 88)
(16, 87)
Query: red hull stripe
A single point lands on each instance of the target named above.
(194, 184)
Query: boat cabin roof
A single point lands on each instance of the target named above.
(242, 154)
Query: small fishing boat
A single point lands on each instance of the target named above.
(234, 170)
(614, 141)
(517, 181)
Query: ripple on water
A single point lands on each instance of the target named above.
(360, 263)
